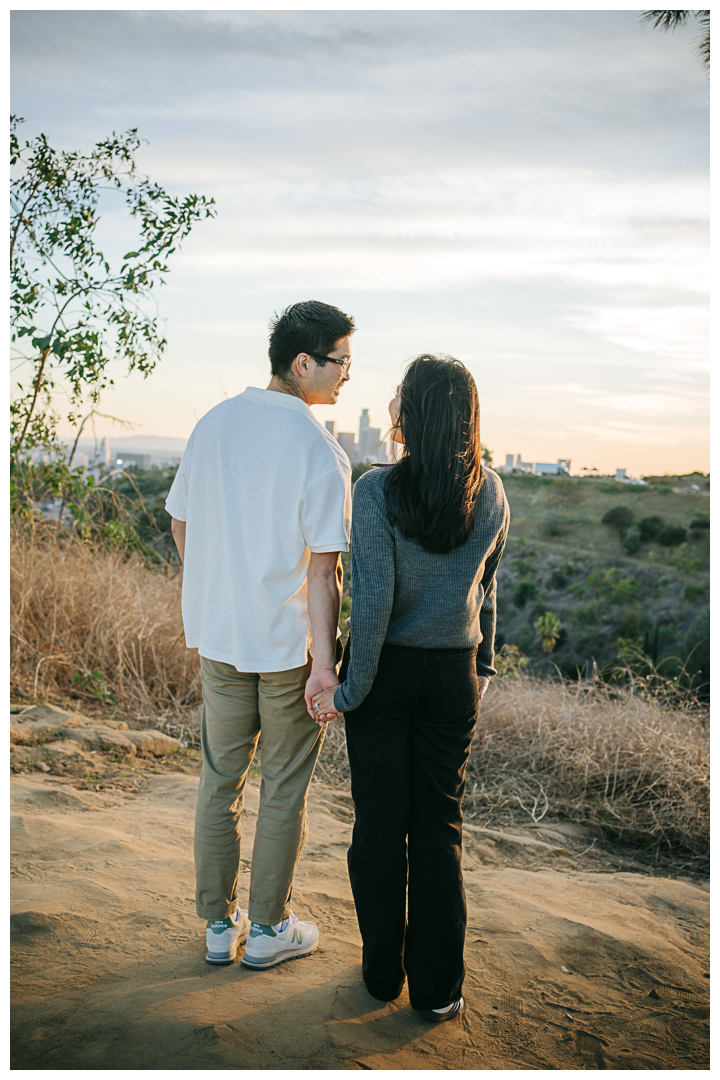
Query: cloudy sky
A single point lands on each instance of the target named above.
(525, 190)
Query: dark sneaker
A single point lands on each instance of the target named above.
(448, 1013)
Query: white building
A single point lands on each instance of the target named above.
(622, 478)
(515, 463)
(561, 467)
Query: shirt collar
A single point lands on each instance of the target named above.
(274, 397)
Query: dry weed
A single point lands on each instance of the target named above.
(636, 766)
(78, 608)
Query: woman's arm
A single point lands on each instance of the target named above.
(373, 590)
(488, 611)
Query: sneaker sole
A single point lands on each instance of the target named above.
(260, 962)
(225, 957)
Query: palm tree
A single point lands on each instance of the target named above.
(670, 20)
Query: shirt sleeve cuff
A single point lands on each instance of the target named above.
(319, 549)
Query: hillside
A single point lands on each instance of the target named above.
(605, 597)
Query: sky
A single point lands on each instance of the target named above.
(524, 190)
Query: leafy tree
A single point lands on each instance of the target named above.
(651, 526)
(72, 310)
(671, 20)
(524, 590)
(619, 517)
(487, 456)
(672, 535)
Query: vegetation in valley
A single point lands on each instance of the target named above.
(618, 573)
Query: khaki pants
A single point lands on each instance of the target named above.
(238, 706)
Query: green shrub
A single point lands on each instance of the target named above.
(558, 580)
(619, 517)
(700, 523)
(577, 589)
(693, 591)
(590, 612)
(683, 559)
(634, 622)
(631, 540)
(522, 567)
(672, 536)
(524, 590)
(594, 580)
(624, 591)
(650, 527)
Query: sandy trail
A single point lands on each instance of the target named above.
(566, 969)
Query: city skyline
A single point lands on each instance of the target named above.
(524, 190)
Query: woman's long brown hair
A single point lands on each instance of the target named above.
(432, 491)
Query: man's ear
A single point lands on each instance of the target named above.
(301, 366)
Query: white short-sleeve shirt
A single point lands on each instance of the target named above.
(261, 485)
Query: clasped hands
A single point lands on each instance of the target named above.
(319, 693)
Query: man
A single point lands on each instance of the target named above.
(261, 511)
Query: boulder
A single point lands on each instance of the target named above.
(32, 731)
(99, 739)
(49, 713)
(66, 750)
(154, 742)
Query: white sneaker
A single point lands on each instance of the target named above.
(270, 945)
(224, 936)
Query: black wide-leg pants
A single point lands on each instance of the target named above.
(408, 745)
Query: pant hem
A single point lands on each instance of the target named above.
(212, 912)
(267, 916)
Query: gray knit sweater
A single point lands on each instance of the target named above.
(404, 595)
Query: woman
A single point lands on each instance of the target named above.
(427, 537)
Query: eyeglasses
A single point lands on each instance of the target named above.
(344, 364)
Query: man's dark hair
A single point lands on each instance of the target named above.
(310, 327)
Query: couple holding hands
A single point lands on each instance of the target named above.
(261, 509)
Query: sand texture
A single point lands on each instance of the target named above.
(567, 969)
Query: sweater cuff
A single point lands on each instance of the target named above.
(338, 697)
(485, 670)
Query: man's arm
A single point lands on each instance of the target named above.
(324, 581)
(178, 530)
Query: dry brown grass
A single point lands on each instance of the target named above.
(634, 765)
(75, 607)
(631, 763)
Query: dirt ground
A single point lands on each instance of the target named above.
(568, 967)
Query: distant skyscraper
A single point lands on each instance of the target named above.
(330, 425)
(347, 441)
(370, 448)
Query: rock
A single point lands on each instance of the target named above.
(154, 742)
(32, 731)
(42, 767)
(100, 739)
(66, 749)
(78, 721)
(46, 712)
